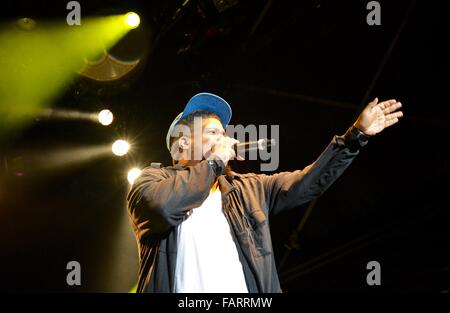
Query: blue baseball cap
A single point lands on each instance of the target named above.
(203, 101)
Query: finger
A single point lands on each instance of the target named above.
(235, 141)
(390, 122)
(384, 104)
(391, 107)
(373, 103)
(232, 154)
(394, 115)
(231, 142)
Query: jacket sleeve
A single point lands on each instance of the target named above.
(287, 190)
(159, 199)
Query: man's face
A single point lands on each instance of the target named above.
(211, 129)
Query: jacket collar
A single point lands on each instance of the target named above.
(225, 185)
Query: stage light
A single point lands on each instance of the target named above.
(132, 19)
(37, 64)
(133, 174)
(105, 117)
(120, 147)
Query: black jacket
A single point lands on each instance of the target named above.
(161, 197)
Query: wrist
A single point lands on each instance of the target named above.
(360, 129)
(355, 138)
(217, 165)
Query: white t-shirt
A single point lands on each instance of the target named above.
(207, 258)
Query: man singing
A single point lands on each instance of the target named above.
(202, 228)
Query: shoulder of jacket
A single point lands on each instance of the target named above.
(154, 171)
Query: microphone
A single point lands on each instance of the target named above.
(260, 144)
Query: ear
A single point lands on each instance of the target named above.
(184, 142)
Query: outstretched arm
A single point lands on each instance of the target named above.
(291, 189)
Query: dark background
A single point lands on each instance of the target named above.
(309, 66)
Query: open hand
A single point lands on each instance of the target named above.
(378, 115)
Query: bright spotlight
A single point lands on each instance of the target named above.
(133, 174)
(120, 147)
(132, 19)
(105, 117)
